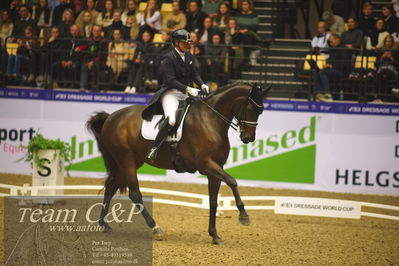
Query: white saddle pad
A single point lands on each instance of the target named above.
(149, 129)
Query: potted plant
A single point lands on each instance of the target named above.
(47, 157)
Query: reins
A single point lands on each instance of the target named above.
(229, 122)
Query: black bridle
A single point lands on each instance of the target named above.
(240, 122)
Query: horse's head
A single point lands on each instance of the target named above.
(249, 112)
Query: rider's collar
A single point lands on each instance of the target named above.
(182, 55)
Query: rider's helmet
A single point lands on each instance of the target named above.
(181, 35)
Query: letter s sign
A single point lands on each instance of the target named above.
(44, 171)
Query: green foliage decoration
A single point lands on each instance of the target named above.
(38, 142)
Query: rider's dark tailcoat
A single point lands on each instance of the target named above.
(176, 75)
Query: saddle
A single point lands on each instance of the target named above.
(149, 129)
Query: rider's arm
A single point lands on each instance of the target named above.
(170, 76)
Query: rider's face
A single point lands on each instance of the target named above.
(184, 46)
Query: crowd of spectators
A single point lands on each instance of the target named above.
(341, 40)
(83, 43)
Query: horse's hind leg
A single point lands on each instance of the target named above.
(110, 189)
(137, 198)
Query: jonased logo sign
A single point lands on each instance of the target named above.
(286, 157)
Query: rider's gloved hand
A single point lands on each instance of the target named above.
(205, 88)
(192, 91)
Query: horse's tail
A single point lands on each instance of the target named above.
(95, 125)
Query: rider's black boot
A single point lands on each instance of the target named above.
(164, 131)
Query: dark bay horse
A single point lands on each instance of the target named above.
(204, 147)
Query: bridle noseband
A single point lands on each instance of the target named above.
(258, 109)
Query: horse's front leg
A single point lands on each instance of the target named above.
(213, 189)
(213, 169)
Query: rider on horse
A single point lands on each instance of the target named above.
(178, 75)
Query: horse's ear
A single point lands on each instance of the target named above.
(256, 90)
(265, 91)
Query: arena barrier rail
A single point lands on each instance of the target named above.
(225, 203)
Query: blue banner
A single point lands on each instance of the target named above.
(269, 105)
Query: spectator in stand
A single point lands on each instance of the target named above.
(117, 24)
(69, 65)
(46, 59)
(376, 39)
(90, 7)
(335, 24)
(148, 57)
(6, 28)
(353, 37)
(247, 20)
(58, 12)
(118, 4)
(138, 64)
(206, 33)
(67, 22)
(150, 20)
(24, 21)
(211, 7)
(215, 56)
(194, 17)
(95, 56)
(85, 24)
(338, 65)
(130, 11)
(134, 63)
(104, 19)
(222, 18)
(26, 55)
(387, 66)
(320, 41)
(391, 21)
(164, 47)
(367, 20)
(234, 38)
(248, 23)
(197, 50)
(42, 15)
(133, 26)
(118, 55)
(54, 46)
(175, 20)
(13, 11)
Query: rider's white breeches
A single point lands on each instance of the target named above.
(170, 102)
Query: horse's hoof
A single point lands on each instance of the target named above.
(157, 233)
(244, 220)
(217, 241)
(107, 229)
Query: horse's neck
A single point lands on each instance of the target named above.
(225, 101)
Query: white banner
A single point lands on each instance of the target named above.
(318, 207)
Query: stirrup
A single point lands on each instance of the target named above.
(152, 154)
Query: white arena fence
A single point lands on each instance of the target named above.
(282, 204)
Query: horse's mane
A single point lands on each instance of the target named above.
(227, 87)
